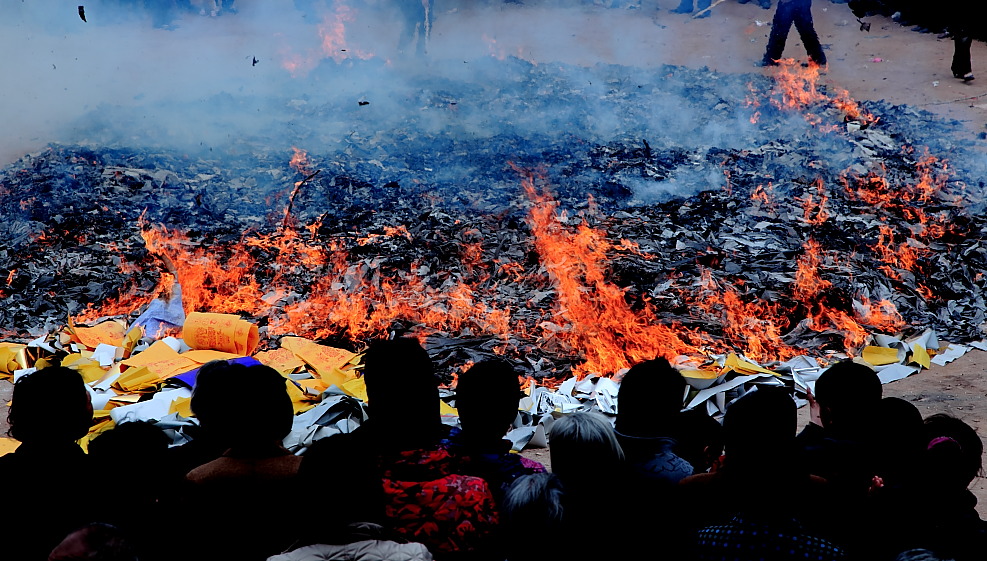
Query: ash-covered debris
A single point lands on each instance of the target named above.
(696, 200)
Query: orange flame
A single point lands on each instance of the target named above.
(808, 283)
(591, 314)
(815, 213)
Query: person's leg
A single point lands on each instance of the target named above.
(962, 64)
(803, 23)
(780, 25)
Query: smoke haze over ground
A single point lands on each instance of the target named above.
(500, 82)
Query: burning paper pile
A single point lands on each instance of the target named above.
(793, 245)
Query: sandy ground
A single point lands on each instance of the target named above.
(889, 62)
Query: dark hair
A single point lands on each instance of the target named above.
(129, 441)
(700, 438)
(848, 394)
(954, 450)
(759, 428)
(487, 398)
(897, 435)
(649, 398)
(227, 393)
(401, 384)
(52, 405)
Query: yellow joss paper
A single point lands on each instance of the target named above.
(90, 369)
(920, 356)
(94, 431)
(162, 360)
(327, 362)
(356, 388)
(108, 332)
(299, 399)
(313, 386)
(205, 356)
(734, 362)
(220, 332)
(137, 379)
(446, 409)
(182, 406)
(11, 357)
(130, 341)
(8, 445)
(700, 379)
(879, 356)
(282, 360)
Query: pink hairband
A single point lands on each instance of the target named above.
(941, 439)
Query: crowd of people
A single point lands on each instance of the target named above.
(868, 478)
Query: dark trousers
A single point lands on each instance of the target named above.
(961, 55)
(798, 12)
(416, 24)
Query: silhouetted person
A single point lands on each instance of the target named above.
(759, 517)
(950, 524)
(788, 12)
(838, 445)
(487, 400)
(648, 404)
(43, 500)
(214, 412)
(396, 471)
(241, 503)
(416, 25)
(700, 440)
(533, 501)
(139, 449)
(894, 496)
(589, 462)
(836, 440)
(961, 27)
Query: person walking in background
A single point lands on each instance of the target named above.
(959, 27)
(788, 12)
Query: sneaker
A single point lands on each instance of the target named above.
(965, 77)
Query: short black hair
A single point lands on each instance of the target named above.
(50, 405)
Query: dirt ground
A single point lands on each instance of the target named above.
(889, 62)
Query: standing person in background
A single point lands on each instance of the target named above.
(788, 12)
(960, 28)
(416, 25)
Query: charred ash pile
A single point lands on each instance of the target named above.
(757, 215)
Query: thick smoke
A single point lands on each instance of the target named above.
(500, 82)
(129, 76)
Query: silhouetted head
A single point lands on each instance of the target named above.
(50, 405)
(700, 439)
(954, 451)
(402, 390)
(95, 542)
(127, 442)
(583, 447)
(898, 438)
(759, 430)
(242, 405)
(533, 501)
(649, 398)
(848, 394)
(487, 399)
